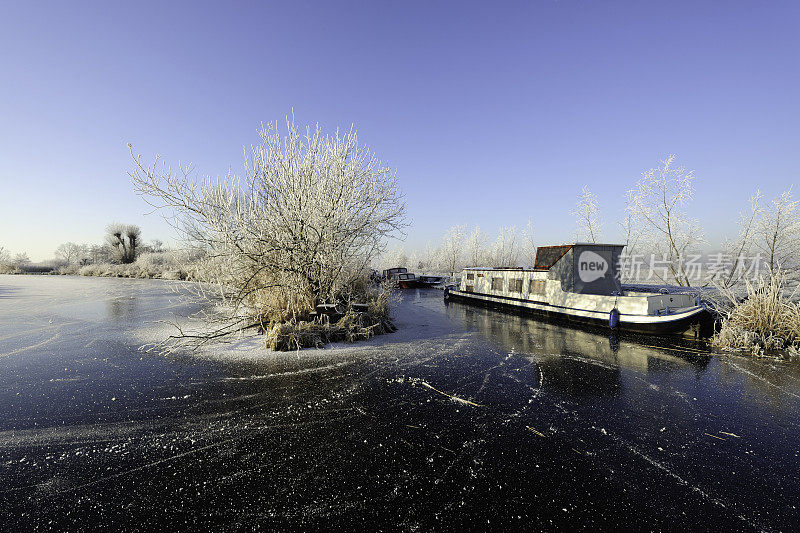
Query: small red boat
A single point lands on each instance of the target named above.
(407, 281)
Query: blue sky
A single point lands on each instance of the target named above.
(491, 112)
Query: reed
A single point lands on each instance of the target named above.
(766, 320)
(353, 326)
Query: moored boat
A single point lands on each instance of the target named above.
(404, 279)
(393, 273)
(430, 281)
(580, 283)
(407, 281)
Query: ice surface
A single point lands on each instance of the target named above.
(464, 416)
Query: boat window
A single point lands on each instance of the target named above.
(547, 256)
(537, 286)
(497, 284)
(470, 276)
(480, 275)
(470, 288)
(515, 285)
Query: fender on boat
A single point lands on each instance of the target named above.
(613, 318)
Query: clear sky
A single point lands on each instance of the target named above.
(491, 112)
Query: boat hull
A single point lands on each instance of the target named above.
(695, 321)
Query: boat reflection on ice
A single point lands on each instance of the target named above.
(580, 361)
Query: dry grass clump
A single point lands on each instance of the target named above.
(312, 331)
(351, 327)
(766, 320)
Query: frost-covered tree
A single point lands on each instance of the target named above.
(71, 253)
(658, 202)
(155, 246)
(476, 248)
(631, 224)
(738, 248)
(395, 258)
(123, 242)
(300, 227)
(414, 263)
(5, 256)
(20, 260)
(504, 251)
(528, 244)
(98, 253)
(587, 216)
(429, 257)
(451, 251)
(778, 232)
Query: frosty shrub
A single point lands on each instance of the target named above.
(765, 320)
(5, 262)
(154, 260)
(299, 228)
(68, 269)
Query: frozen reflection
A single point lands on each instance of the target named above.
(545, 340)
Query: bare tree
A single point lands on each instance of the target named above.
(587, 215)
(476, 247)
(658, 201)
(451, 251)
(778, 232)
(300, 227)
(123, 242)
(5, 256)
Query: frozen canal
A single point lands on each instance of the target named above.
(466, 418)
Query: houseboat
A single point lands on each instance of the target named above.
(580, 283)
